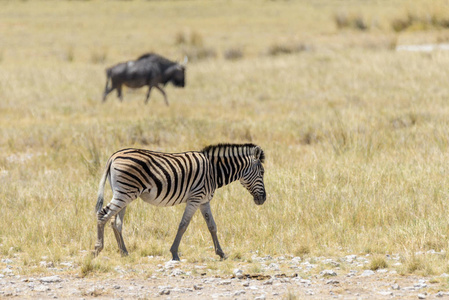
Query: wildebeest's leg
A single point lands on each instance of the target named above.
(191, 208)
(207, 214)
(117, 224)
(107, 90)
(119, 92)
(148, 94)
(163, 93)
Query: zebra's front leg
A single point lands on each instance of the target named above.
(207, 214)
(190, 210)
(117, 225)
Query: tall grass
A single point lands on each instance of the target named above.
(356, 141)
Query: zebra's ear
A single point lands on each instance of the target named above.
(258, 153)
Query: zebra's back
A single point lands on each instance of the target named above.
(162, 179)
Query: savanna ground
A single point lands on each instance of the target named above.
(355, 134)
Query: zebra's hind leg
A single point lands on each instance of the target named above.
(190, 210)
(103, 216)
(207, 214)
(117, 224)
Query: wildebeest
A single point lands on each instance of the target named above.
(149, 69)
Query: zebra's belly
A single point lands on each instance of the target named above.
(151, 198)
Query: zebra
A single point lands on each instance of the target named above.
(167, 179)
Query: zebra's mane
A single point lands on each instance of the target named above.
(210, 148)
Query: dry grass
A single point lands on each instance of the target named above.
(356, 138)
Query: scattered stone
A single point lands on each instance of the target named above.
(420, 285)
(246, 283)
(225, 282)
(238, 293)
(274, 267)
(50, 279)
(116, 286)
(177, 272)
(197, 287)
(171, 264)
(332, 281)
(261, 297)
(367, 273)
(238, 273)
(328, 273)
(164, 292)
(421, 296)
(41, 288)
(395, 287)
(296, 259)
(350, 258)
(385, 293)
(7, 261)
(309, 292)
(46, 264)
(7, 271)
(268, 282)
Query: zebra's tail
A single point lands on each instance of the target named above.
(100, 198)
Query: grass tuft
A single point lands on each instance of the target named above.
(378, 262)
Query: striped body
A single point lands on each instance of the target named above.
(167, 179)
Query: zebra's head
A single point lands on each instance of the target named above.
(252, 178)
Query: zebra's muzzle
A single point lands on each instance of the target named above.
(260, 199)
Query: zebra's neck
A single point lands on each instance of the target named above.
(228, 161)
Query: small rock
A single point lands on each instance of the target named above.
(50, 279)
(197, 287)
(395, 287)
(238, 293)
(350, 258)
(171, 264)
(164, 292)
(225, 282)
(246, 283)
(261, 297)
(385, 293)
(328, 273)
(420, 285)
(421, 296)
(268, 282)
(367, 273)
(176, 272)
(41, 288)
(332, 281)
(309, 292)
(274, 267)
(296, 259)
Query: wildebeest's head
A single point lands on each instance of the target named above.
(178, 76)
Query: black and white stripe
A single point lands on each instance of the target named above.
(166, 179)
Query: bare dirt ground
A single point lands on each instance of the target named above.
(284, 278)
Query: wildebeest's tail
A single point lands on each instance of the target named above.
(100, 198)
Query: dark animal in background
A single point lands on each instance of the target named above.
(149, 69)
